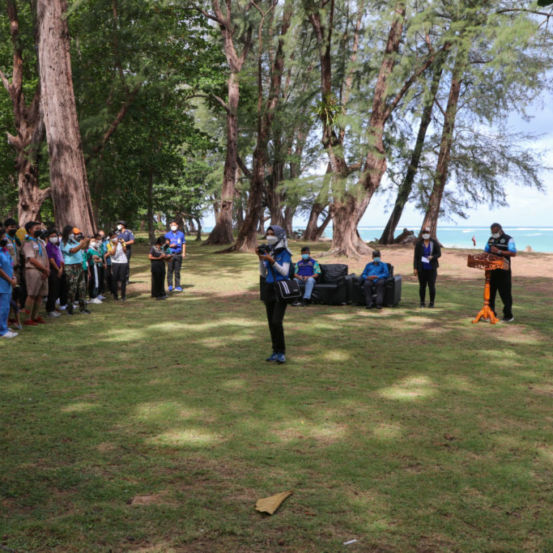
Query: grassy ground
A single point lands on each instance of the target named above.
(155, 426)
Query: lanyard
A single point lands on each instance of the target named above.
(32, 239)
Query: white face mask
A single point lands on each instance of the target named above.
(93, 244)
(272, 240)
(119, 227)
(53, 240)
(426, 236)
(174, 228)
(114, 240)
(496, 235)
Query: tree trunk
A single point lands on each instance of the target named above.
(310, 232)
(150, 214)
(407, 184)
(442, 166)
(247, 235)
(288, 220)
(30, 130)
(222, 231)
(70, 193)
(198, 229)
(345, 219)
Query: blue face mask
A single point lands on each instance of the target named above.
(305, 256)
(376, 259)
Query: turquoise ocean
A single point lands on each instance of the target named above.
(540, 239)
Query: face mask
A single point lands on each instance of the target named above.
(426, 236)
(119, 227)
(496, 235)
(71, 236)
(174, 228)
(37, 233)
(272, 240)
(53, 240)
(376, 259)
(114, 240)
(93, 244)
(12, 231)
(305, 256)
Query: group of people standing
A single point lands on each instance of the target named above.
(275, 264)
(68, 269)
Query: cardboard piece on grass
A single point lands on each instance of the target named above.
(270, 504)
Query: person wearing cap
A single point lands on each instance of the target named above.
(73, 247)
(128, 238)
(503, 245)
(307, 270)
(373, 280)
(275, 266)
(37, 271)
(8, 281)
(177, 247)
(425, 265)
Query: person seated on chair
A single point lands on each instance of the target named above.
(373, 280)
(307, 271)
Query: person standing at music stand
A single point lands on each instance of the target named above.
(503, 245)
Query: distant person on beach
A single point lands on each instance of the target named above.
(503, 245)
(425, 264)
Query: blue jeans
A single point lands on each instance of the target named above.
(4, 312)
(309, 284)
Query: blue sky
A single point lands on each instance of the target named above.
(527, 206)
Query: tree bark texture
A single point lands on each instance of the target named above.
(406, 185)
(247, 235)
(446, 141)
(70, 192)
(222, 231)
(29, 130)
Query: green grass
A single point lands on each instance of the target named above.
(409, 430)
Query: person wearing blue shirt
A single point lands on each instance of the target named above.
(7, 283)
(503, 245)
(373, 280)
(275, 266)
(307, 270)
(177, 248)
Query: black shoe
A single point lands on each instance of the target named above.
(431, 304)
(508, 319)
(379, 307)
(85, 310)
(69, 310)
(296, 304)
(369, 306)
(422, 304)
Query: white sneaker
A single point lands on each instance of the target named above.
(62, 307)
(95, 300)
(100, 297)
(9, 334)
(54, 314)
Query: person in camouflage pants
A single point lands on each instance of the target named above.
(76, 288)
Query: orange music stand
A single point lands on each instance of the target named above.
(489, 262)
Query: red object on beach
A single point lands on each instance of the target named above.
(473, 240)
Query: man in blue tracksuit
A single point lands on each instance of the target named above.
(177, 247)
(373, 280)
(307, 270)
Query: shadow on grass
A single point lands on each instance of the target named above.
(409, 429)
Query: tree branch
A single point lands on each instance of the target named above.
(243, 167)
(5, 81)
